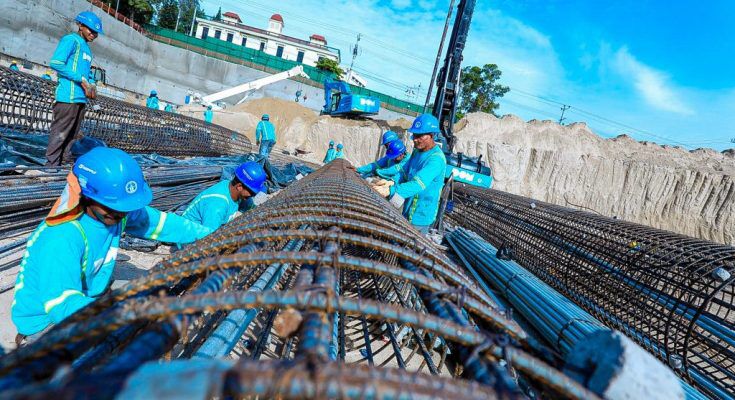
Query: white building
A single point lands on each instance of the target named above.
(271, 41)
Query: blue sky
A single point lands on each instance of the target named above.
(655, 70)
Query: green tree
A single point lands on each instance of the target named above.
(168, 13)
(479, 90)
(329, 65)
(188, 7)
(218, 16)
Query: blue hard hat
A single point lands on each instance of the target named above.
(154, 93)
(252, 175)
(265, 117)
(90, 20)
(388, 137)
(339, 146)
(423, 124)
(395, 149)
(331, 142)
(112, 178)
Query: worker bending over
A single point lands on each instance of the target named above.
(47, 75)
(14, 66)
(339, 153)
(265, 135)
(331, 154)
(396, 159)
(70, 257)
(419, 188)
(72, 61)
(385, 162)
(218, 204)
(152, 101)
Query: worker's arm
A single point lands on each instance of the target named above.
(258, 132)
(367, 169)
(434, 167)
(394, 169)
(150, 223)
(60, 263)
(67, 46)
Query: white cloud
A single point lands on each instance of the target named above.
(651, 84)
(400, 4)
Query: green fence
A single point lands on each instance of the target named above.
(265, 62)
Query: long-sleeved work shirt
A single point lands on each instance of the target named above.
(331, 155)
(214, 206)
(72, 61)
(208, 115)
(265, 131)
(384, 167)
(152, 102)
(66, 266)
(339, 154)
(421, 185)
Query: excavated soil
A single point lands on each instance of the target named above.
(689, 192)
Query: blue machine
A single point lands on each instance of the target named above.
(339, 100)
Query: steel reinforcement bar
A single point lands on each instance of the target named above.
(672, 294)
(324, 291)
(26, 103)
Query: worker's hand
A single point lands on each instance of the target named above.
(382, 186)
(89, 89)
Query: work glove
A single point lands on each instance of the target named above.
(397, 201)
(382, 186)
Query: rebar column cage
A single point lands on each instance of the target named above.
(323, 291)
(26, 103)
(673, 294)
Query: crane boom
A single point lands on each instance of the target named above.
(254, 85)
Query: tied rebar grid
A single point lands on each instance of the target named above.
(672, 294)
(324, 291)
(26, 103)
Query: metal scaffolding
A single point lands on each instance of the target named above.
(323, 291)
(673, 294)
(26, 107)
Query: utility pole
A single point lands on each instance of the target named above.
(354, 51)
(193, 18)
(563, 108)
(178, 16)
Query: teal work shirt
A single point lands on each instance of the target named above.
(213, 207)
(421, 186)
(384, 167)
(331, 155)
(72, 61)
(168, 108)
(339, 154)
(265, 131)
(152, 102)
(67, 266)
(208, 114)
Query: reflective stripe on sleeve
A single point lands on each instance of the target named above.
(49, 305)
(159, 227)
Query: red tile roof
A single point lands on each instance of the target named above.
(318, 37)
(231, 14)
(277, 17)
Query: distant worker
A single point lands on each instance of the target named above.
(168, 108)
(14, 66)
(70, 257)
(47, 75)
(218, 204)
(71, 61)
(384, 162)
(298, 95)
(339, 153)
(419, 188)
(265, 135)
(396, 161)
(152, 101)
(331, 153)
(208, 114)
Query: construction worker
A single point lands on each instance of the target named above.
(152, 101)
(385, 162)
(47, 75)
(218, 204)
(339, 153)
(168, 108)
(71, 61)
(330, 153)
(208, 115)
(70, 257)
(419, 188)
(396, 159)
(265, 135)
(14, 65)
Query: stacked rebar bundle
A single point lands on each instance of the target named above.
(26, 107)
(324, 291)
(672, 294)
